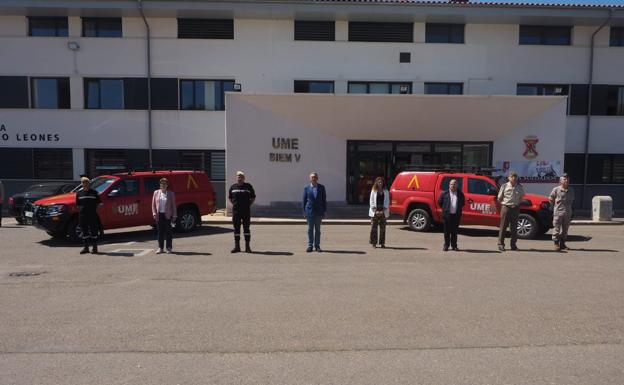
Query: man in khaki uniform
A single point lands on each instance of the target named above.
(509, 196)
(561, 199)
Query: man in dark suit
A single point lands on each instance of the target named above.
(451, 201)
(314, 208)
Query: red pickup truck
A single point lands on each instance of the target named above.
(126, 202)
(414, 196)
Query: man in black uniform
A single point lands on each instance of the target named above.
(241, 196)
(87, 201)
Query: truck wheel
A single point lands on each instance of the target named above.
(527, 227)
(187, 220)
(73, 231)
(419, 220)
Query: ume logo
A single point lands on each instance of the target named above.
(130, 209)
(484, 208)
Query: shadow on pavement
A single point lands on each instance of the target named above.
(479, 251)
(272, 252)
(402, 248)
(189, 253)
(144, 235)
(342, 251)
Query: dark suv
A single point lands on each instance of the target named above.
(36, 192)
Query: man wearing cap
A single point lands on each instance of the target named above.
(561, 198)
(509, 196)
(87, 201)
(241, 196)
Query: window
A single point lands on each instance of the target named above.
(50, 93)
(574, 166)
(217, 165)
(542, 89)
(205, 29)
(52, 163)
(545, 35)
(314, 87)
(128, 187)
(381, 32)
(47, 26)
(204, 94)
(476, 156)
(481, 187)
(164, 93)
(101, 27)
(615, 100)
(13, 92)
(606, 169)
(100, 162)
(579, 94)
(379, 88)
(444, 88)
(617, 37)
(315, 30)
(405, 57)
(104, 94)
(151, 184)
(447, 180)
(444, 33)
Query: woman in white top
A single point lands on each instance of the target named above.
(164, 211)
(379, 211)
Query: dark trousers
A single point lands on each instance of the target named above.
(164, 231)
(89, 225)
(451, 227)
(509, 218)
(314, 230)
(237, 220)
(378, 221)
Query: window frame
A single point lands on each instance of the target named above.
(61, 105)
(298, 24)
(99, 80)
(451, 28)
(98, 21)
(447, 85)
(354, 36)
(220, 107)
(228, 36)
(58, 25)
(618, 39)
(390, 84)
(542, 35)
(308, 82)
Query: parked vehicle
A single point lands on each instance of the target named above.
(35, 192)
(414, 196)
(126, 202)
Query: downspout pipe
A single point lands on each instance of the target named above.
(149, 83)
(589, 105)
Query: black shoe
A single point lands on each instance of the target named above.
(318, 250)
(445, 248)
(563, 246)
(247, 249)
(309, 250)
(236, 249)
(95, 250)
(514, 247)
(501, 247)
(84, 250)
(455, 248)
(374, 246)
(383, 246)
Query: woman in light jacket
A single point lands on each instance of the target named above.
(164, 210)
(379, 212)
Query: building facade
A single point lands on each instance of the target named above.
(82, 91)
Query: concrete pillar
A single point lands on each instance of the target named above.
(342, 31)
(78, 160)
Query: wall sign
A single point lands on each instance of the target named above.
(290, 144)
(27, 136)
(535, 171)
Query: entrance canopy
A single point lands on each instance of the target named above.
(279, 139)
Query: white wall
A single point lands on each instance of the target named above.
(324, 123)
(263, 57)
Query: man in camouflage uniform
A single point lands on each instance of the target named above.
(561, 199)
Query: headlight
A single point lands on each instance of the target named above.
(55, 209)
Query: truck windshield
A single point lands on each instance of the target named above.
(101, 183)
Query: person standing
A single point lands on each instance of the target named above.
(452, 203)
(379, 211)
(241, 196)
(164, 211)
(509, 196)
(314, 208)
(1, 200)
(561, 198)
(87, 201)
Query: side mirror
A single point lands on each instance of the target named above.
(113, 193)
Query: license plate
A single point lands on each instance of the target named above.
(29, 214)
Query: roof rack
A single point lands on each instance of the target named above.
(451, 169)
